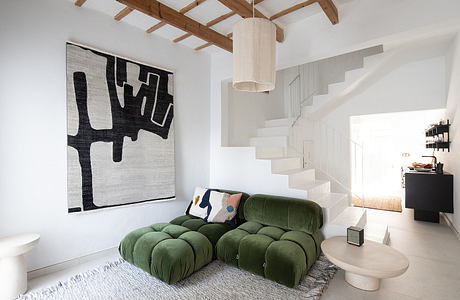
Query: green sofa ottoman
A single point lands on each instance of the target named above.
(173, 251)
(279, 241)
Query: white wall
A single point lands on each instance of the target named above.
(246, 112)
(362, 24)
(418, 85)
(33, 126)
(332, 70)
(414, 86)
(451, 159)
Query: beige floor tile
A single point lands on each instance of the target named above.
(433, 252)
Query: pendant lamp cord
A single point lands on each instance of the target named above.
(253, 8)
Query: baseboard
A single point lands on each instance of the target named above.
(450, 224)
(69, 263)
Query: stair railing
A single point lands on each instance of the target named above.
(331, 148)
(296, 100)
(326, 152)
(295, 97)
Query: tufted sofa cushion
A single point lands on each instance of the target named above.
(212, 231)
(278, 254)
(173, 251)
(284, 212)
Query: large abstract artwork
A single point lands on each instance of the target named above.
(120, 134)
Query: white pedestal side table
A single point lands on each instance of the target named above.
(365, 266)
(13, 273)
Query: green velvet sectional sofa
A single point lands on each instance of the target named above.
(276, 237)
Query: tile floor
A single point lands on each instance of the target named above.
(434, 262)
(433, 251)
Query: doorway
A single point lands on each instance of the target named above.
(390, 143)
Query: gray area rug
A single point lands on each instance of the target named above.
(121, 280)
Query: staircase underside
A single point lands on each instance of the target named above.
(272, 144)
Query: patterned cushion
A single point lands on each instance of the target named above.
(199, 205)
(224, 208)
(214, 206)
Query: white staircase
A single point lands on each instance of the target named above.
(340, 89)
(272, 144)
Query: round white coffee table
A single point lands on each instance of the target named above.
(364, 266)
(13, 273)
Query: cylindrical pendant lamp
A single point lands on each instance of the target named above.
(254, 55)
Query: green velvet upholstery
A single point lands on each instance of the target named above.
(277, 238)
(279, 241)
(212, 231)
(280, 255)
(284, 212)
(173, 251)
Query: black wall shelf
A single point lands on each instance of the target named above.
(437, 131)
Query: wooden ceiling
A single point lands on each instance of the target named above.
(177, 18)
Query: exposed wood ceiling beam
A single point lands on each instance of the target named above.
(209, 24)
(156, 26)
(330, 10)
(80, 2)
(172, 17)
(328, 7)
(292, 9)
(244, 9)
(203, 46)
(212, 23)
(123, 13)
(182, 11)
(209, 44)
(182, 37)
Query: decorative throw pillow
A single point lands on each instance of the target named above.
(224, 207)
(198, 207)
(214, 206)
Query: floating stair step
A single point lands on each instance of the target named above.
(274, 131)
(377, 232)
(278, 141)
(370, 61)
(353, 75)
(337, 88)
(301, 177)
(269, 152)
(315, 188)
(333, 204)
(351, 216)
(279, 122)
(321, 99)
(283, 164)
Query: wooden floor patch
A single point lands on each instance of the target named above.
(390, 203)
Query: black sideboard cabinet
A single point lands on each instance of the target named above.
(428, 194)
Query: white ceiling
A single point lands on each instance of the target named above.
(204, 13)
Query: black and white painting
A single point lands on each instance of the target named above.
(120, 133)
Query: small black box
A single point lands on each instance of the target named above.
(355, 236)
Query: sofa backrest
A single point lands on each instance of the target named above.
(284, 212)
